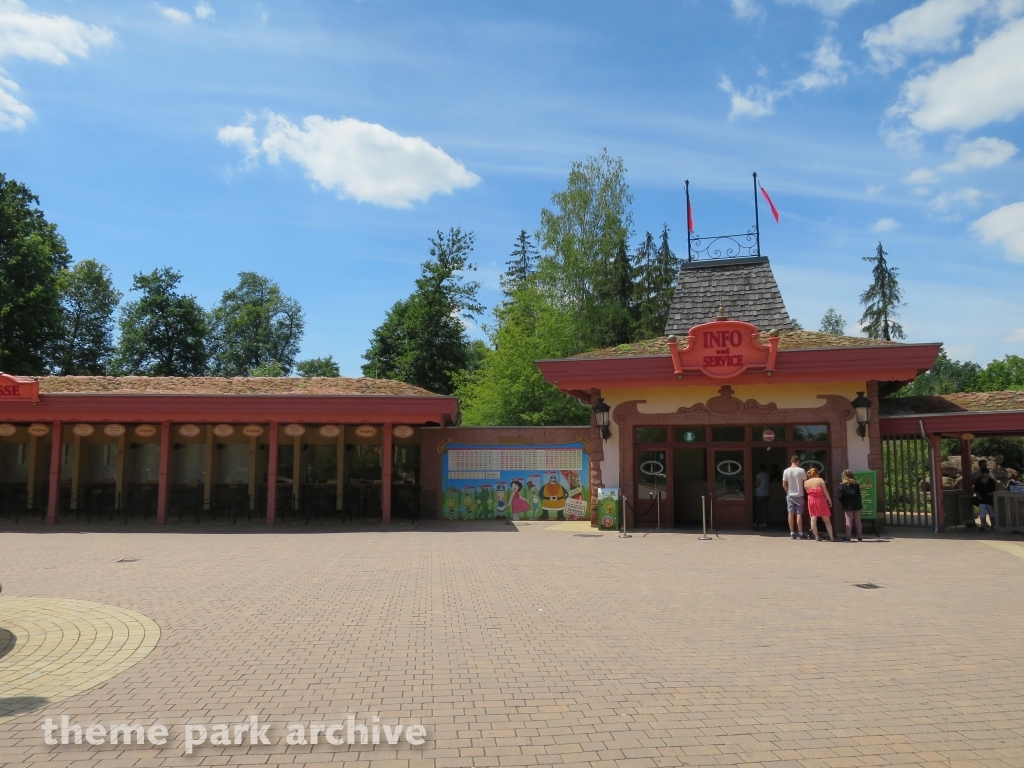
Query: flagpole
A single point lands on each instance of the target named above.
(757, 217)
(689, 253)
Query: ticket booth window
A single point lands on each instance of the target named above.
(145, 464)
(100, 462)
(363, 463)
(190, 464)
(321, 463)
(15, 459)
(406, 465)
(233, 467)
(285, 463)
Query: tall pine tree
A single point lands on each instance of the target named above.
(522, 264)
(656, 271)
(882, 300)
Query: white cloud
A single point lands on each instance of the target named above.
(204, 10)
(362, 161)
(174, 14)
(935, 25)
(827, 68)
(39, 37)
(1015, 337)
(947, 202)
(1004, 226)
(921, 176)
(983, 87)
(755, 101)
(827, 7)
(747, 9)
(983, 152)
(886, 225)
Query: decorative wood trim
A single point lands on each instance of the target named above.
(725, 409)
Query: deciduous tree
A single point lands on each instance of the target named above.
(88, 300)
(832, 322)
(325, 367)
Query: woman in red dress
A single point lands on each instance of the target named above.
(819, 503)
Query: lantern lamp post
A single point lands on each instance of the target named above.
(862, 411)
(602, 414)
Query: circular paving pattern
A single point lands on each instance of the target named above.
(52, 649)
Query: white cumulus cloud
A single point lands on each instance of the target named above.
(39, 37)
(755, 101)
(983, 152)
(1004, 226)
(949, 202)
(827, 7)
(826, 68)
(935, 25)
(204, 11)
(357, 160)
(174, 14)
(921, 176)
(886, 225)
(983, 87)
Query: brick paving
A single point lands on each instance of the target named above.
(520, 646)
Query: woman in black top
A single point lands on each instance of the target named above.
(849, 499)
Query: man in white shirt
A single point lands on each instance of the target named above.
(761, 494)
(793, 480)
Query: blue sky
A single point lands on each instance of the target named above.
(322, 143)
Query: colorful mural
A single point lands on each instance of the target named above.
(525, 483)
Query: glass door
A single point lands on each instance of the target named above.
(729, 467)
(652, 497)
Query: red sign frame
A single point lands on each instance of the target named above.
(17, 389)
(723, 349)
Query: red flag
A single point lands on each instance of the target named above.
(689, 215)
(775, 211)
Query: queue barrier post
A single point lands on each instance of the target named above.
(704, 518)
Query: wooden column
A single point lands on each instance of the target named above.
(119, 474)
(875, 453)
(76, 471)
(208, 470)
(339, 498)
(54, 501)
(272, 473)
(296, 471)
(385, 475)
(30, 497)
(252, 474)
(163, 487)
(937, 501)
(966, 468)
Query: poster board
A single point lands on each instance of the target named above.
(868, 493)
(484, 482)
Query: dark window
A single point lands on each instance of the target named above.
(406, 464)
(362, 463)
(811, 433)
(321, 463)
(688, 434)
(285, 462)
(652, 434)
(728, 434)
(775, 434)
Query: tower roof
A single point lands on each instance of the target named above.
(746, 288)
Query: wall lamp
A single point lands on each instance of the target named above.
(862, 410)
(602, 414)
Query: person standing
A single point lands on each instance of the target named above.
(793, 480)
(819, 503)
(850, 501)
(761, 493)
(984, 490)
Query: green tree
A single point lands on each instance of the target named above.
(163, 333)
(32, 256)
(945, 377)
(268, 370)
(999, 375)
(832, 322)
(254, 324)
(581, 236)
(423, 339)
(613, 292)
(522, 263)
(881, 300)
(325, 367)
(88, 300)
(508, 388)
(656, 270)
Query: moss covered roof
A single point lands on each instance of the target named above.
(211, 385)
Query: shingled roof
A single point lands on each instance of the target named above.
(787, 340)
(959, 402)
(210, 385)
(745, 287)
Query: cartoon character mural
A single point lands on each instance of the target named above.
(496, 481)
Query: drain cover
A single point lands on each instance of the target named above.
(587, 535)
(867, 585)
(128, 560)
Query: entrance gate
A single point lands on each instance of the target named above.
(908, 481)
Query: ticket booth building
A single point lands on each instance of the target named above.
(205, 448)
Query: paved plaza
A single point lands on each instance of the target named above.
(517, 645)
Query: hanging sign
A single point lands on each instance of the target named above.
(7, 430)
(83, 430)
(189, 430)
(13, 388)
(252, 430)
(223, 430)
(114, 430)
(689, 437)
(329, 430)
(38, 430)
(145, 430)
(723, 349)
(295, 430)
(402, 431)
(366, 430)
